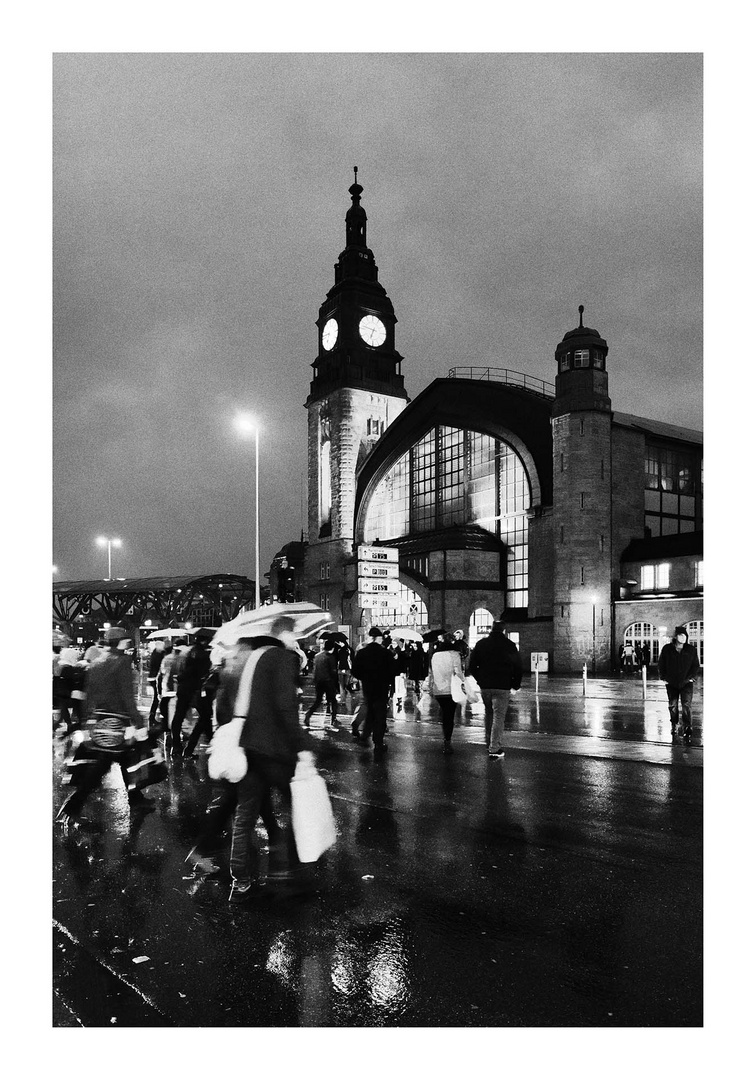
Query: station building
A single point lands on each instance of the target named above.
(504, 496)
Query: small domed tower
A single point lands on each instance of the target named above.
(581, 430)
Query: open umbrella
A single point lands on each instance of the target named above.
(405, 632)
(307, 618)
(168, 634)
(433, 635)
(334, 635)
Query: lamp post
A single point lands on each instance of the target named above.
(594, 600)
(246, 425)
(109, 542)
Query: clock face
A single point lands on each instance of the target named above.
(330, 333)
(372, 330)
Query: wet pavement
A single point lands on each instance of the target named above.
(561, 886)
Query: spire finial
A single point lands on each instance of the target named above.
(355, 173)
(581, 309)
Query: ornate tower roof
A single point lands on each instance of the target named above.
(356, 321)
(581, 381)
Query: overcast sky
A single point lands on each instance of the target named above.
(199, 206)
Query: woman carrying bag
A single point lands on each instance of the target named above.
(445, 667)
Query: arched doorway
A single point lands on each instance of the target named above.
(696, 637)
(640, 634)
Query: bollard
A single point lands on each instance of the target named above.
(643, 674)
(585, 678)
(536, 670)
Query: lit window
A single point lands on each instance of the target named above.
(647, 577)
(662, 576)
(699, 574)
(582, 357)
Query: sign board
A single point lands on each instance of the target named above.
(381, 586)
(366, 553)
(374, 603)
(377, 570)
(539, 661)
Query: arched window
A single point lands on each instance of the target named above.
(695, 637)
(409, 610)
(481, 622)
(640, 634)
(455, 477)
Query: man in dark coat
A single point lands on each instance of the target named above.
(326, 676)
(679, 668)
(190, 673)
(273, 740)
(374, 667)
(496, 665)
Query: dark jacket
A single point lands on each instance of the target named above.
(324, 668)
(156, 658)
(272, 728)
(374, 667)
(194, 669)
(677, 668)
(110, 688)
(417, 664)
(495, 663)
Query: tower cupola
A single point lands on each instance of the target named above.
(581, 381)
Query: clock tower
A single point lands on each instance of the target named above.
(357, 390)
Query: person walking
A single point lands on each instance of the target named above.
(496, 665)
(461, 645)
(679, 668)
(374, 667)
(112, 722)
(199, 663)
(189, 674)
(445, 662)
(417, 666)
(273, 741)
(153, 675)
(326, 676)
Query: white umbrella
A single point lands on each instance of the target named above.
(163, 635)
(308, 619)
(405, 632)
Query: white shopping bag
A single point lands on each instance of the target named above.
(311, 814)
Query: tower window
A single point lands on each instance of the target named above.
(601, 542)
(582, 357)
(582, 427)
(561, 462)
(699, 574)
(582, 500)
(598, 360)
(564, 362)
(582, 575)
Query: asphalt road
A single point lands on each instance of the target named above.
(560, 887)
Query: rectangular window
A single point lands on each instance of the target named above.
(561, 534)
(647, 578)
(699, 574)
(325, 602)
(582, 357)
(662, 576)
(582, 427)
(582, 500)
(561, 462)
(328, 571)
(601, 542)
(564, 363)
(582, 575)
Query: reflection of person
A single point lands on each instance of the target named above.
(374, 667)
(445, 662)
(679, 668)
(495, 663)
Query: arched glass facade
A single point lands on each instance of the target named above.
(457, 477)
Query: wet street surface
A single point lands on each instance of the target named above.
(560, 886)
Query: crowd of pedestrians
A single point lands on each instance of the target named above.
(247, 706)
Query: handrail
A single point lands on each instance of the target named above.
(505, 375)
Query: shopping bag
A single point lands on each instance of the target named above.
(458, 690)
(145, 764)
(472, 690)
(227, 760)
(311, 814)
(81, 764)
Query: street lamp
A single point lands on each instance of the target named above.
(110, 542)
(246, 425)
(594, 601)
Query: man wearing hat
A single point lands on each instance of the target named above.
(112, 717)
(374, 667)
(679, 668)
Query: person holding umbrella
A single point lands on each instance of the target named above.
(326, 675)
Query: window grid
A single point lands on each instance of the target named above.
(673, 493)
(640, 634)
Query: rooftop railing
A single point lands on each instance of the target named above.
(505, 375)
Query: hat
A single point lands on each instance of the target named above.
(375, 632)
(204, 633)
(681, 630)
(115, 634)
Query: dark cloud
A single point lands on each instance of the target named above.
(199, 208)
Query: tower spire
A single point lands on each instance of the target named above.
(581, 309)
(356, 218)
